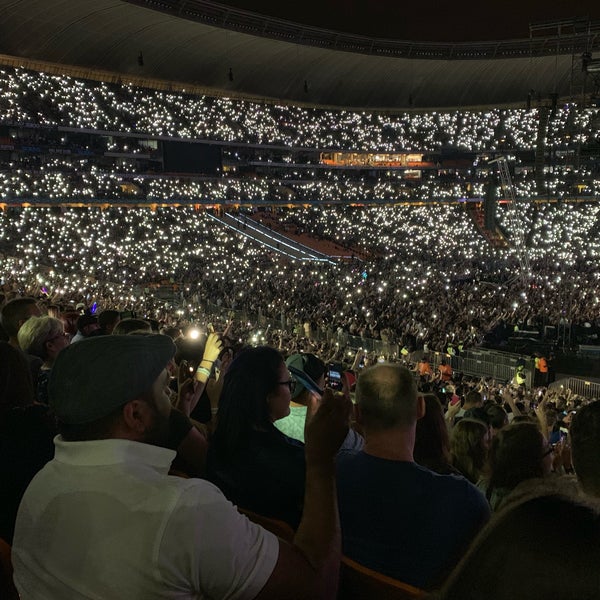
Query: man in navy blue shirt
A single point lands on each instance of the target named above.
(397, 517)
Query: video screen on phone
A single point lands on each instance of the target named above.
(334, 377)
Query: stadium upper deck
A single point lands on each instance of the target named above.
(238, 53)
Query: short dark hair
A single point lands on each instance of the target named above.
(585, 447)
(13, 312)
(496, 415)
(473, 397)
(100, 429)
(108, 317)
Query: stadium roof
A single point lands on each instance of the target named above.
(223, 48)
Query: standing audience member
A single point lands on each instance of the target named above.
(43, 337)
(519, 452)
(107, 320)
(496, 417)
(103, 519)
(127, 326)
(432, 442)
(87, 325)
(12, 316)
(69, 318)
(469, 445)
(473, 400)
(309, 373)
(14, 313)
(16, 388)
(397, 517)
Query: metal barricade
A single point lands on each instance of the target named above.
(578, 385)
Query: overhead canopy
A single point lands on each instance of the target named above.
(129, 38)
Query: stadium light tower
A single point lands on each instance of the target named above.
(515, 218)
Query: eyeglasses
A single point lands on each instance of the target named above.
(291, 383)
(64, 334)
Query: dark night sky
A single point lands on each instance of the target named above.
(437, 20)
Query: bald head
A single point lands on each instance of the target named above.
(386, 395)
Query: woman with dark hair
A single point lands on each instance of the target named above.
(432, 442)
(256, 466)
(469, 447)
(518, 452)
(496, 417)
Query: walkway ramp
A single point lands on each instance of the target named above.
(273, 240)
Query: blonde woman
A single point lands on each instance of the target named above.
(43, 337)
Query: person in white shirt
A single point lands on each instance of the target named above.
(104, 519)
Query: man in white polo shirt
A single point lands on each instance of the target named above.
(104, 520)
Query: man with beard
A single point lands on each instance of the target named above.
(104, 519)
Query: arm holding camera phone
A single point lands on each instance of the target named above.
(540, 413)
(508, 397)
(360, 357)
(314, 398)
(189, 389)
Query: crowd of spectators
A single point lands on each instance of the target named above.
(54, 100)
(466, 433)
(94, 116)
(82, 358)
(426, 277)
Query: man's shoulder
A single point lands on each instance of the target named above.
(454, 482)
(196, 491)
(349, 455)
(460, 492)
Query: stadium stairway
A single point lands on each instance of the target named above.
(274, 241)
(494, 237)
(322, 244)
(540, 149)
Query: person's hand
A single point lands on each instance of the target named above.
(562, 455)
(452, 410)
(507, 395)
(227, 328)
(327, 427)
(541, 407)
(212, 349)
(189, 390)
